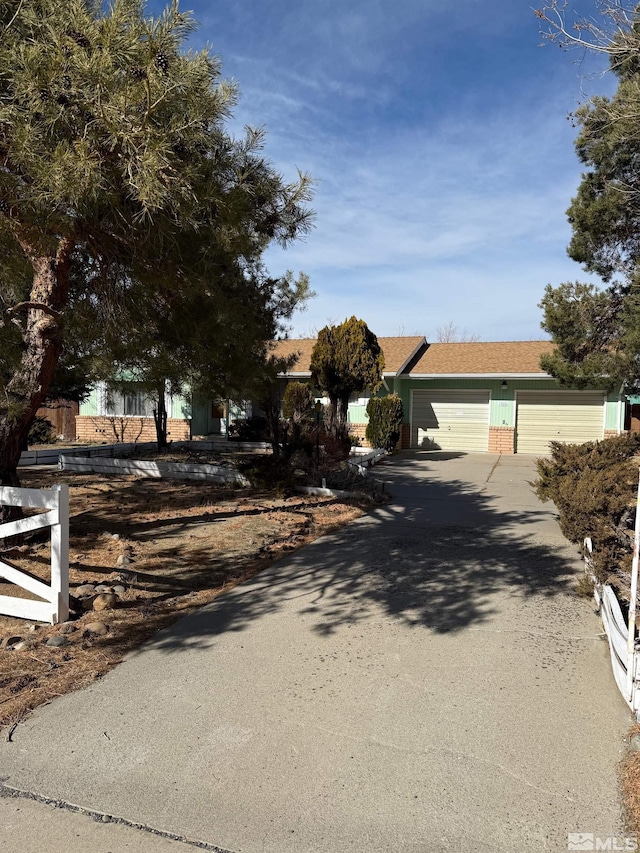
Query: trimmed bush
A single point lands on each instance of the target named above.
(298, 402)
(385, 421)
(41, 432)
(593, 486)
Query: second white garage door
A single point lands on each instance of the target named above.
(568, 416)
(450, 420)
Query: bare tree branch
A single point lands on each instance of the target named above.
(35, 306)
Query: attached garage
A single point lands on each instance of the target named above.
(450, 420)
(572, 417)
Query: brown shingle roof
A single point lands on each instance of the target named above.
(498, 358)
(397, 352)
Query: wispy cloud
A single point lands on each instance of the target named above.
(438, 138)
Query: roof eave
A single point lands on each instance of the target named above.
(418, 346)
(503, 375)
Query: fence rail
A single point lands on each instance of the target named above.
(54, 604)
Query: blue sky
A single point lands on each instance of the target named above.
(438, 138)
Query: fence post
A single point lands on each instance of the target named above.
(60, 554)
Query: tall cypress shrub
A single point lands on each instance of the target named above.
(385, 421)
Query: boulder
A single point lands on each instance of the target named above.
(97, 628)
(58, 640)
(105, 601)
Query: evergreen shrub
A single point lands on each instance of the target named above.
(593, 486)
(41, 432)
(385, 421)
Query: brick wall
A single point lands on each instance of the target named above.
(403, 443)
(405, 437)
(359, 430)
(611, 433)
(128, 429)
(501, 439)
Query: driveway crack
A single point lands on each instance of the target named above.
(8, 792)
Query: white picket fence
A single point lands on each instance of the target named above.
(54, 606)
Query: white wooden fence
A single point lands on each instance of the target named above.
(625, 664)
(55, 604)
(617, 633)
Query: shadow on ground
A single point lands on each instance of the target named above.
(433, 558)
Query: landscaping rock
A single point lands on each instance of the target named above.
(105, 601)
(104, 587)
(58, 640)
(24, 645)
(87, 602)
(119, 589)
(33, 628)
(12, 642)
(84, 589)
(68, 628)
(97, 628)
(123, 560)
(634, 743)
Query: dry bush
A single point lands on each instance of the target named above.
(593, 486)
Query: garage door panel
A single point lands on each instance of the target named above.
(567, 416)
(450, 420)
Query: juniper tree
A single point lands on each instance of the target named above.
(117, 173)
(346, 359)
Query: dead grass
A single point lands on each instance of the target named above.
(188, 543)
(629, 770)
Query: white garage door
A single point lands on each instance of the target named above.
(572, 417)
(450, 420)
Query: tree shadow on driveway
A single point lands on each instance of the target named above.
(436, 557)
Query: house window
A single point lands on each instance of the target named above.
(137, 403)
(128, 404)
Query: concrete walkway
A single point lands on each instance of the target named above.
(422, 681)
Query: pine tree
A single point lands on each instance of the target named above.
(117, 173)
(597, 331)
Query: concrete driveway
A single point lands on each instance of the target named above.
(424, 680)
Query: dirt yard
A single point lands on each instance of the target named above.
(162, 548)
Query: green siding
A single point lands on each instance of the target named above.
(614, 413)
(357, 414)
(90, 405)
(180, 407)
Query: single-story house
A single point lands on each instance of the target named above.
(479, 396)
(496, 397)
(490, 396)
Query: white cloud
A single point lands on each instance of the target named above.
(437, 136)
